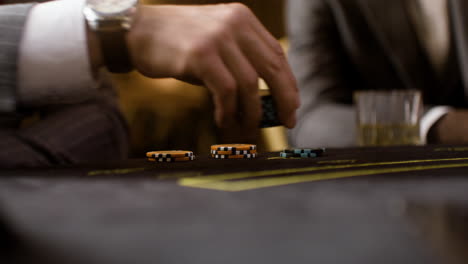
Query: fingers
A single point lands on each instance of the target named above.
(219, 80)
(273, 67)
(223, 46)
(269, 60)
(249, 51)
(233, 82)
(249, 104)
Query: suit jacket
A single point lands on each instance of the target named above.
(340, 46)
(13, 109)
(12, 20)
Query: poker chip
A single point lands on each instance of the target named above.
(233, 152)
(317, 151)
(245, 156)
(169, 154)
(181, 159)
(269, 114)
(302, 153)
(233, 147)
(297, 155)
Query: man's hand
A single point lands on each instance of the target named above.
(450, 129)
(221, 46)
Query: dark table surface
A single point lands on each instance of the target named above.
(361, 205)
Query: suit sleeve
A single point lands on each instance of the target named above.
(326, 117)
(12, 21)
(54, 65)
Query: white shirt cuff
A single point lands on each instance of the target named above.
(430, 118)
(54, 64)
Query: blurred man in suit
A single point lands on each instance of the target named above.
(50, 60)
(340, 46)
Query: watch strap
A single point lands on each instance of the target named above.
(114, 51)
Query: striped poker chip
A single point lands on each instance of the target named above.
(169, 154)
(269, 113)
(318, 151)
(233, 147)
(245, 156)
(182, 159)
(298, 155)
(233, 152)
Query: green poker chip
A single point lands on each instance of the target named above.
(297, 155)
(316, 151)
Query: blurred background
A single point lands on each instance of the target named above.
(168, 114)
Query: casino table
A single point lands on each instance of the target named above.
(357, 205)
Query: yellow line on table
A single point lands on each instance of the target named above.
(245, 185)
(266, 173)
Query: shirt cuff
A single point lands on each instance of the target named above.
(430, 118)
(54, 64)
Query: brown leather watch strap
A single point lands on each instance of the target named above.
(114, 51)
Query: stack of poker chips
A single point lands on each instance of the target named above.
(302, 153)
(269, 114)
(234, 151)
(170, 156)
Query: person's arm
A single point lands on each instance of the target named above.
(222, 46)
(451, 128)
(12, 20)
(326, 116)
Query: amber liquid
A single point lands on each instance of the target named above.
(388, 135)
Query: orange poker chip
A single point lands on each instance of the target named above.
(182, 159)
(169, 154)
(233, 152)
(233, 147)
(246, 156)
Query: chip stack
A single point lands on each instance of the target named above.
(234, 151)
(170, 156)
(269, 114)
(302, 153)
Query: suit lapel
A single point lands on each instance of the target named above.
(459, 14)
(393, 29)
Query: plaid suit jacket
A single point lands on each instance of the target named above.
(12, 20)
(89, 131)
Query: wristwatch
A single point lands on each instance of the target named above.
(111, 20)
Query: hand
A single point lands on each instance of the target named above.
(221, 46)
(452, 128)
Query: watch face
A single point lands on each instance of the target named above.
(111, 6)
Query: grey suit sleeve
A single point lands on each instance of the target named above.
(12, 20)
(326, 117)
